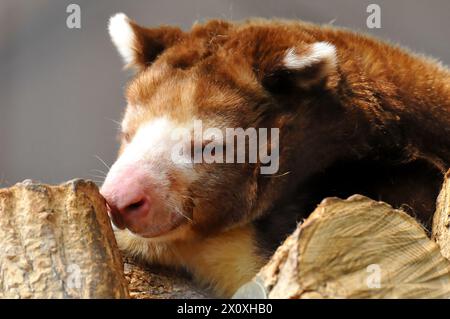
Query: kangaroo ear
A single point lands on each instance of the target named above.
(140, 46)
(303, 67)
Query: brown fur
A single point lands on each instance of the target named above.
(377, 124)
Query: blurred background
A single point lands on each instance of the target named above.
(61, 89)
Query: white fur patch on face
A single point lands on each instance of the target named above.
(151, 143)
(122, 36)
(152, 147)
(320, 52)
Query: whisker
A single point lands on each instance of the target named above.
(99, 171)
(97, 176)
(96, 181)
(114, 121)
(176, 209)
(102, 161)
(280, 175)
(183, 215)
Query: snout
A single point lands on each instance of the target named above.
(133, 203)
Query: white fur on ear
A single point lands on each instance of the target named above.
(122, 36)
(320, 52)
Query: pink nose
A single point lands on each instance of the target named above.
(127, 199)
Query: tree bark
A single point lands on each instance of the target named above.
(355, 248)
(57, 242)
(441, 219)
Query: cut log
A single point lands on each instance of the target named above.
(57, 242)
(354, 248)
(441, 220)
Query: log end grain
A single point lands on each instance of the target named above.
(356, 248)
